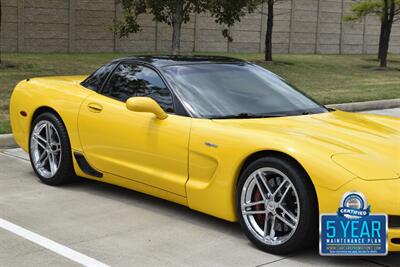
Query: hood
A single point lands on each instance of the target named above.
(366, 145)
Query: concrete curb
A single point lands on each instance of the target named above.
(7, 140)
(368, 105)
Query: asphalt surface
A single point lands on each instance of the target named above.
(118, 227)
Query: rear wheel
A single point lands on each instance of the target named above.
(50, 151)
(276, 206)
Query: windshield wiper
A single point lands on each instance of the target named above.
(248, 116)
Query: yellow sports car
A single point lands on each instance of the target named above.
(219, 135)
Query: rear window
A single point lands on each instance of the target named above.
(96, 80)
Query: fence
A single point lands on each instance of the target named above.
(301, 26)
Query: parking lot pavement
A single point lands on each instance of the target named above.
(118, 227)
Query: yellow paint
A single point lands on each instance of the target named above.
(146, 104)
(135, 145)
(196, 162)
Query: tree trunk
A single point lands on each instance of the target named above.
(385, 46)
(176, 28)
(380, 49)
(176, 38)
(268, 35)
(387, 23)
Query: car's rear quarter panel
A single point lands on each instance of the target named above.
(64, 95)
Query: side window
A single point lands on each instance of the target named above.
(96, 80)
(129, 80)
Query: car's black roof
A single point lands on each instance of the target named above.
(162, 61)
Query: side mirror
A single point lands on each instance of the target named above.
(146, 104)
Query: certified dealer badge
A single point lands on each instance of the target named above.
(353, 231)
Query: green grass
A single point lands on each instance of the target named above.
(327, 78)
(5, 126)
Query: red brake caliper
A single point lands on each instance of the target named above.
(260, 218)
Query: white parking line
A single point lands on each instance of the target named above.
(17, 153)
(50, 245)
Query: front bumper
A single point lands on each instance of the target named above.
(382, 195)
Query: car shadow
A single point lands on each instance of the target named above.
(306, 257)
(154, 204)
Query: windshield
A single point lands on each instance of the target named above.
(236, 90)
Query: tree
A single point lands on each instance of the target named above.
(388, 11)
(241, 8)
(177, 12)
(250, 7)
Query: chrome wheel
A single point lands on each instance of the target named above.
(270, 206)
(45, 145)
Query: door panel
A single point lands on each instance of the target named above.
(135, 145)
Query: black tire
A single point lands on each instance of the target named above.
(65, 172)
(306, 233)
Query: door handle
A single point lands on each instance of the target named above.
(94, 107)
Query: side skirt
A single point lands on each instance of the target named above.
(85, 166)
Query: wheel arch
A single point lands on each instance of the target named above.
(278, 154)
(43, 109)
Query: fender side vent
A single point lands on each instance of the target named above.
(396, 241)
(394, 221)
(85, 167)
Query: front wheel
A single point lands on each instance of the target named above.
(50, 151)
(276, 206)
